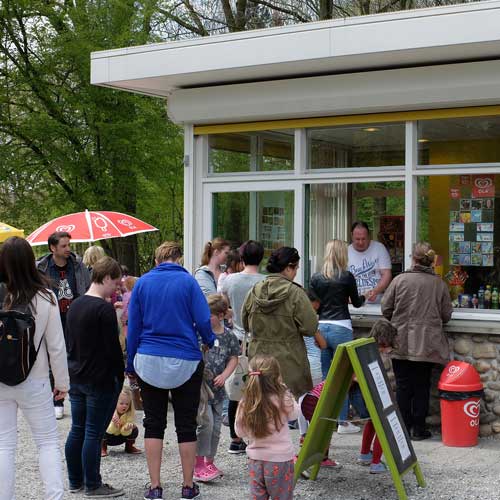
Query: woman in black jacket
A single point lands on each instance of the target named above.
(335, 286)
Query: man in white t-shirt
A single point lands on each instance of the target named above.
(369, 262)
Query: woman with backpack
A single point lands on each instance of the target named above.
(24, 289)
(214, 256)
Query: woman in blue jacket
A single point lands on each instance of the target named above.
(167, 311)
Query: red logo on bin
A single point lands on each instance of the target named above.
(471, 409)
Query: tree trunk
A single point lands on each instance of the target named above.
(125, 252)
(325, 9)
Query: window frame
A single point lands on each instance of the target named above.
(301, 176)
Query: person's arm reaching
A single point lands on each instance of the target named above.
(230, 367)
(233, 351)
(356, 299)
(385, 279)
(385, 270)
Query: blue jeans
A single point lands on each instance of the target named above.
(92, 408)
(356, 399)
(334, 335)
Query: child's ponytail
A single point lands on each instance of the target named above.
(259, 405)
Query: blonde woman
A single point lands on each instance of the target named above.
(92, 255)
(335, 286)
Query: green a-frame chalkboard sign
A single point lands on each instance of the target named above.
(362, 358)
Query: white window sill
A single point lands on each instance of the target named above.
(466, 314)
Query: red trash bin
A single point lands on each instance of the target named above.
(460, 390)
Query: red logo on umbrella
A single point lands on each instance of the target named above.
(66, 229)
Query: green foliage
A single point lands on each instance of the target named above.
(66, 145)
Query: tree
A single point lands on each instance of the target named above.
(187, 18)
(67, 145)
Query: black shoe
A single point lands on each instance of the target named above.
(237, 447)
(105, 491)
(421, 435)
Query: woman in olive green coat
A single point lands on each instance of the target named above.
(277, 313)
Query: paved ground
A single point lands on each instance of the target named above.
(451, 473)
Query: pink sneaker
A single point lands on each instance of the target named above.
(213, 468)
(332, 464)
(204, 475)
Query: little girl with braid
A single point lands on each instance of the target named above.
(263, 415)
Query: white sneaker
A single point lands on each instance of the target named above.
(347, 428)
(59, 411)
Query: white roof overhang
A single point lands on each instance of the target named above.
(411, 38)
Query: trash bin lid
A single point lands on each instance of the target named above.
(459, 376)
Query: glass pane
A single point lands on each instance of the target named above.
(253, 151)
(264, 216)
(229, 153)
(459, 141)
(231, 216)
(460, 216)
(333, 208)
(374, 145)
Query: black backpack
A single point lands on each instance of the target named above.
(17, 343)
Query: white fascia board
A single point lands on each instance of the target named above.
(442, 34)
(444, 86)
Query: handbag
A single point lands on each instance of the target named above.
(236, 381)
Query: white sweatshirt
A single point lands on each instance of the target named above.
(48, 322)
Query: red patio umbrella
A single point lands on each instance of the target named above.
(90, 226)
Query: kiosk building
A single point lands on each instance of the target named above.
(293, 133)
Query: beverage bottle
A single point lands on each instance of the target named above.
(487, 297)
(475, 301)
(494, 298)
(480, 297)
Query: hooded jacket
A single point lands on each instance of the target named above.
(78, 274)
(277, 313)
(417, 303)
(167, 311)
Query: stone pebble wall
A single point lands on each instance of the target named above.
(481, 351)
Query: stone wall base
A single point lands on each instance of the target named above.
(483, 352)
